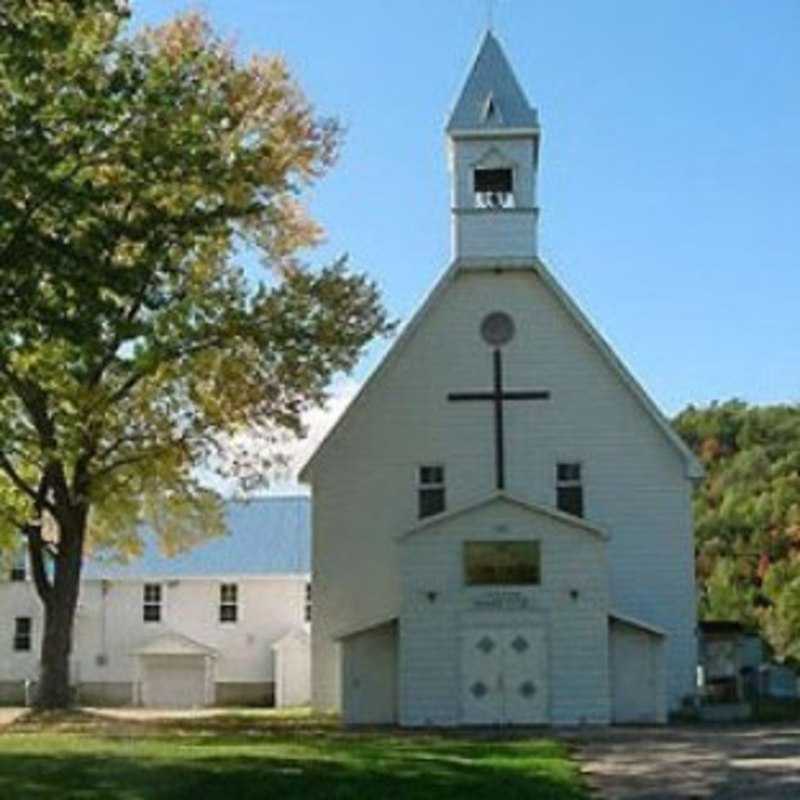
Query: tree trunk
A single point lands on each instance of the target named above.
(54, 679)
(59, 617)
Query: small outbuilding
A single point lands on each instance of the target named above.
(636, 662)
(174, 671)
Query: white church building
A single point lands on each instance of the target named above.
(226, 623)
(502, 525)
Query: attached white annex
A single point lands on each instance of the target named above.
(223, 624)
(502, 529)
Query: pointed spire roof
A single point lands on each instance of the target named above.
(491, 99)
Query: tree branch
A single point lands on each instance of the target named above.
(36, 544)
(20, 483)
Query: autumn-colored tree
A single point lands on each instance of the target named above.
(780, 618)
(133, 168)
(747, 517)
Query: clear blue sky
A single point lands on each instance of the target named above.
(670, 173)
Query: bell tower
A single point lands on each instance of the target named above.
(493, 144)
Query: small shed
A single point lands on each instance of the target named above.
(174, 671)
(728, 655)
(637, 669)
(292, 659)
(369, 673)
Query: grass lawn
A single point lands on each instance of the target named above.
(268, 755)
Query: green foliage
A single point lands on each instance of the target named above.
(133, 350)
(265, 755)
(726, 596)
(747, 516)
(781, 617)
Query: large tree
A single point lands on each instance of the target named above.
(134, 168)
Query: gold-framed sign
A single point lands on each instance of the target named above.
(502, 563)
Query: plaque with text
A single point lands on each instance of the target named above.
(502, 601)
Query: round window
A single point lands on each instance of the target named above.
(497, 328)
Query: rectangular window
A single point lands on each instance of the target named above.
(18, 568)
(307, 613)
(494, 188)
(569, 489)
(152, 602)
(502, 563)
(228, 602)
(23, 632)
(431, 490)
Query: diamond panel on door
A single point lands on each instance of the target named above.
(481, 658)
(527, 689)
(479, 690)
(520, 644)
(524, 676)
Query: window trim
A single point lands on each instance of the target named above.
(23, 640)
(571, 483)
(149, 603)
(18, 571)
(431, 486)
(226, 604)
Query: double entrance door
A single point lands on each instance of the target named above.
(503, 675)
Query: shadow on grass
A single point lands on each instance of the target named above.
(81, 757)
(93, 778)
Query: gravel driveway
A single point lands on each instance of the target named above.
(725, 763)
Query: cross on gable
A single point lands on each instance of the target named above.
(497, 329)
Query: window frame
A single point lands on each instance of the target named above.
(149, 604)
(23, 639)
(428, 487)
(19, 571)
(570, 484)
(473, 583)
(228, 610)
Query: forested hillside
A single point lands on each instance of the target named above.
(747, 517)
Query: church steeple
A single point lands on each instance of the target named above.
(491, 99)
(493, 134)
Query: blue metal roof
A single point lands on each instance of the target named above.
(266, 536)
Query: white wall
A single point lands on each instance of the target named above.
(18, 599)
(364, 483)
(575, 629)
(110, 622)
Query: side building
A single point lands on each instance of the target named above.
(226, 623)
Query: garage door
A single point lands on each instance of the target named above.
(174, 682)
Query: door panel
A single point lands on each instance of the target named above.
(481, 662)
(176, 682)
(504, 677)
(524, 676)
(633, 671)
